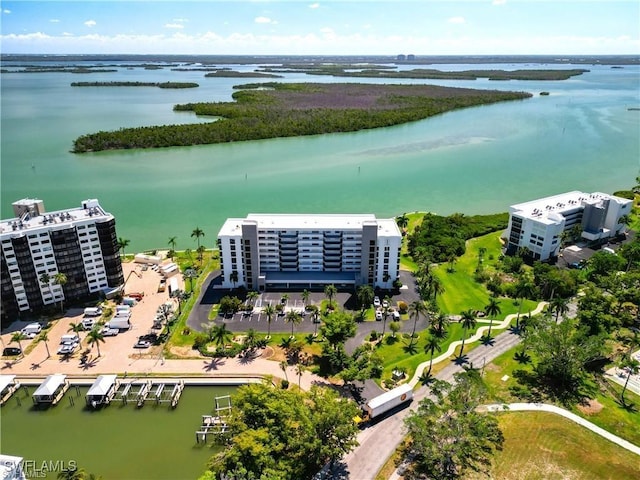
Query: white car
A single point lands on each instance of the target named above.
(385, 304)
(376, 302)
(109, 332)
(378, 314)
(67, 349)
(88, 323)
(396, 315)
(31, 330)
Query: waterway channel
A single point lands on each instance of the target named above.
(118, 441)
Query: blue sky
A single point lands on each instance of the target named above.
(330, 27)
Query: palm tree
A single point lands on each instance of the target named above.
(416, 308)
(315, 314)
(560, 306)
(385, 315)
(123, 243)
(220, 335)
(439, 323)
(172, 243)
(250, 339)
(293, 318)
(468, 322)
(252, 296)
(44, 337)
(190, 274)
(365, 296)
(72, 474)
(60, 279)
(403, 223)
(492, 309)
(633, 366)
(45, 279)
(306, 294)
(330, 291)
(283, 366)
(270, 311)
(299, 371)
(197, 233)
(76, 328)
(437, 287)
(433, 344)
(233, 276)
(200, 250)
(94, 337)
(524, 289)
(17, 338)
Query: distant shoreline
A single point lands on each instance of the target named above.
(260, 59)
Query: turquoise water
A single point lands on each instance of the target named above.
(478, 160)
(119, 441)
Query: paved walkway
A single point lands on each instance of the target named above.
(543, 407)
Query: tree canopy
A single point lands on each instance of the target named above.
(284, 434)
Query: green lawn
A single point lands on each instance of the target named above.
(540, 445)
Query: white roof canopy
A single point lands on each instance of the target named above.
(102, 385)
(50, 385)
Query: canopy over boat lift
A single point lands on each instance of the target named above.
(51, 390)
(103, 390)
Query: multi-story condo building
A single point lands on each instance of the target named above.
(36, 245)
(304, 251)
(538, 225)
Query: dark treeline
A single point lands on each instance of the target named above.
(287, 110)
(235, 74)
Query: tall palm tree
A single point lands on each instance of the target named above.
(492, 309)
(197, 233)
(299, 372)
(60, 279)
(172, 244)
(94, 337)
(385, 315)
(524, 289)
(330, 291)
(306, 294)
(433, 344)
(200, 250)
(468, 322)
(252, 296)
(123, 243)
(437, 288)
(283, 366)
(365, 296)
(403, 222)
(293, 318)
(416, 308)
(76, 328)
(560, 306)
(17, 338)
(440, 322)
(632, 366)
(44, 337)
(220, 335)
(45, 279)
(270, 311)
(190, 274)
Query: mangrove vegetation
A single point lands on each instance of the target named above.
(136, 84)
(272, 110)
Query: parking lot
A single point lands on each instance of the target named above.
(118, 349)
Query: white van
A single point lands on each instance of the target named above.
(31, 330)
(69, 339)
(123, 308)
(92, 312)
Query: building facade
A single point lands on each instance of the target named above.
(80, 243)
(538, 225)
(305, 251)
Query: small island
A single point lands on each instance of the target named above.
(136, 84)
(273, 110)
(226, 73)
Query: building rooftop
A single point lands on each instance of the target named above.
(35, 218)
(546, 209)
(233, 226)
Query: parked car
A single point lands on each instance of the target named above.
(88, 323)
(67, 349)
(109, 332)
(378, 314)
(376, 302)
(142, 344)
(385, 304)
(31, 330)
(11, 352)
(396, 315)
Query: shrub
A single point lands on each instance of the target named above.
(200, 341)
(403, 307)
(284, 384)
(373, 336)
(186, 331)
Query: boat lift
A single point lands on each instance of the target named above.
(215, 424)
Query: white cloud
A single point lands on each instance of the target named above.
(180, 20)
(67, 34)
(173, 25)
(90, 23)
(456, 20)
(314, 5)
(499, 2)
(6, 11)
(263, 20)
(54, 20)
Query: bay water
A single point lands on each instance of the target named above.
(585, 135)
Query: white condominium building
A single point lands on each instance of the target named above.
(36, 246)
(538, 225)
(302, 251)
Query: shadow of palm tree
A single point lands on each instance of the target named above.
(487, 341)
(248, 357)
(461, 359)
(213, 364)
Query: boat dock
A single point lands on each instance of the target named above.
(157, 391)
(8, 386)
(215, 424)
(51, 390)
